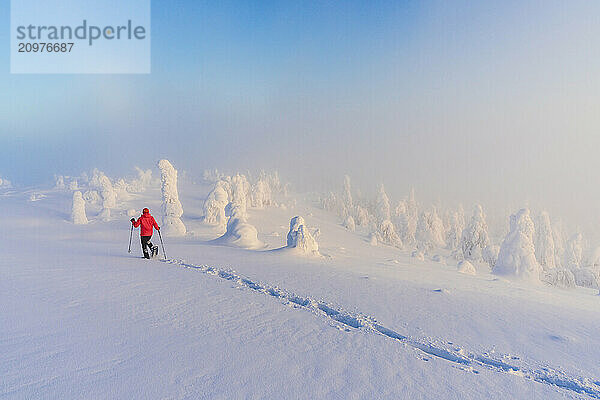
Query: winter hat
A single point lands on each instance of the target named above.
(145, 211)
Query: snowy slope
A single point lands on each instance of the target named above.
(82, 318)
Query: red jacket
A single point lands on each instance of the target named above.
(147, 222)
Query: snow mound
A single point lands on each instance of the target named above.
(78, 212)
(517, 254)
(465, 267)
(239, 232)
(300, 238)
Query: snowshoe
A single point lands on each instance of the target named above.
(154, 251)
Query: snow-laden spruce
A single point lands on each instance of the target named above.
(214, 205)
(490, 255)
(558, 237)
(388, 235)
(456, 224)
(107, 192)
(382, 205)
(142, 182)
(517, 253)
(430, 231)
(122, 190)
(559, 277)
(262, 195)
(78, 216)
(59, 182)
(240, 192)
(239, 232)
(475, 237)
(544, 242)
(300, 239)
(362, 216)
(347, 194)
(171, 207)
(412, 215)
(574, 252)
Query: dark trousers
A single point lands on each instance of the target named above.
(146, 245)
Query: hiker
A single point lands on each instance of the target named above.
(147, 222)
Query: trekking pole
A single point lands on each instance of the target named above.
(130, 236)
(162, 244)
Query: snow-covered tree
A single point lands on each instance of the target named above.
(171, 207)
(382, 206)
(362, 216)
(212, 176)
(490, 255)
(454, 232)
(214, 205)
(587, 277)
(559, 277)
(143, 181)
(300, 238)
(240, 192)
(474, 237)
(261, 193)
(412, 216)
(109, 196)
(60, 182)
(73, 185)
(517, 253)
(544, 242)
(574, 252)
(559, 243)
(121, 189)
(78, 216)
(347, 194)
(430, 231)
(388, 235)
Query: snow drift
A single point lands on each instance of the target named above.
(239, 232)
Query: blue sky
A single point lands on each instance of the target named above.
(468, 101)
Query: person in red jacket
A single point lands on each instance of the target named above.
(147, 222)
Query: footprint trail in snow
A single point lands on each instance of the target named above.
(462, 358)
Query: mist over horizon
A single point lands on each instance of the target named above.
(468, 103)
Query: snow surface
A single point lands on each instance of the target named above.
(82, 318)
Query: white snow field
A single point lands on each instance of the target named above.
(80, 318)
